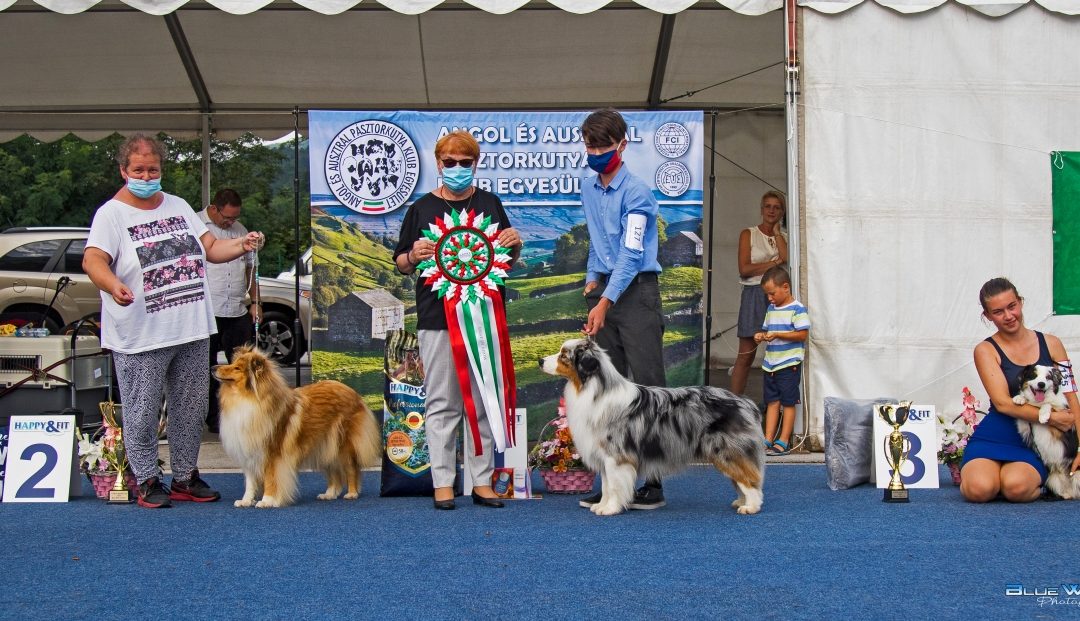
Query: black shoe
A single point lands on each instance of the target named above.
(494, 503)
(589, 501)
(445, 505)
(194, 489)
(646, 498)
(153, 494)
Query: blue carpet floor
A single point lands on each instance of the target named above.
(811, 554)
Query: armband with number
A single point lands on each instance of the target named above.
(1068, 380)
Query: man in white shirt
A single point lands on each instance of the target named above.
(232, 286)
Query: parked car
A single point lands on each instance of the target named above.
(42, 282)
(305, 270)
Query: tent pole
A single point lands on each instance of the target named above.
(709, 247)
(297, 326)
(791, 114)
(205, 161)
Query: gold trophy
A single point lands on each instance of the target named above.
(119, 494)
(897, 447)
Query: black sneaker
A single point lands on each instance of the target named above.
(194, 489)
(589, 501)
(646, 498)
(153, 494)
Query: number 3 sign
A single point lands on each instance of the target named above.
(39, 458)
(921, 467)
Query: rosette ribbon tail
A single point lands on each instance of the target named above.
(478, 322)
(509, 378)
(461, 365)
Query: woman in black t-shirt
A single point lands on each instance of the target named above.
(456, 155)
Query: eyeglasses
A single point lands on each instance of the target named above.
(449, 163)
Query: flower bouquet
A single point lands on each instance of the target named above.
(558, 461)
(955, 433)
(102, 455)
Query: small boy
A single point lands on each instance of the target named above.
(785, 330)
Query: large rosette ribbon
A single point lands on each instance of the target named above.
(468, 266)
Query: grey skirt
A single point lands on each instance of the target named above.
(752, 309)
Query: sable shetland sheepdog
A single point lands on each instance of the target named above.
(622, 429)
(1040, 386)
(273, 430)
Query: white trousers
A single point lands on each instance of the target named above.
(445, 410)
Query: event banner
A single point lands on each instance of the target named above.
(367, 168)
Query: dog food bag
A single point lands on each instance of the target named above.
(502, 482)
(406, 468)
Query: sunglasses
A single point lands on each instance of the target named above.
(449, 163)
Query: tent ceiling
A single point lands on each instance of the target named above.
(93, 67)
(122, 69)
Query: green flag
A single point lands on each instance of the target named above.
(1065, 172)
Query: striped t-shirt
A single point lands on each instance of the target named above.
(780, 353)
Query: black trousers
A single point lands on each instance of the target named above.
(633, 333)
(232, 333)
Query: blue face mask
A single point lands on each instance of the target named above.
(457, 178)
(144, 189)
(605, 162)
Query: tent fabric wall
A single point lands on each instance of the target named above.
(927, 173)
(753, 141)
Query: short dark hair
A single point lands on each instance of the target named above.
(777, 276)
(996, 286)
(132, 144)
(226, 196)
(603, 127)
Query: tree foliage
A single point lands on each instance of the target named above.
(572, 250)
(62, 183)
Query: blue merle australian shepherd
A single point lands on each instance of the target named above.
(623, 430)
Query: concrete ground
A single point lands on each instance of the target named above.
(212, 457)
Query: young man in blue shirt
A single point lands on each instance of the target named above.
(621, 285)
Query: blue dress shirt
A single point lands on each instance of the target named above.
(606, 212)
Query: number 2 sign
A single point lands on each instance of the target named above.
(39, 458)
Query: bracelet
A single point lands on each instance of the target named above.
(408, 257)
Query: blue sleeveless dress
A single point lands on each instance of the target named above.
(996, 436)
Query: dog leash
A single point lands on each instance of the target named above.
(257, 298)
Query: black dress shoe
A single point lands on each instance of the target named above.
(494, 503)
(445, 505)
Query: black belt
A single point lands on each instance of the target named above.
(640, 278)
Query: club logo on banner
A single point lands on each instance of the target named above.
(372, 166)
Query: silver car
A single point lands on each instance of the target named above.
(42, 282)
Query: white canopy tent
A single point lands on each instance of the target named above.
(925, 127)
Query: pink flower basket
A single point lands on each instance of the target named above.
(569, 482)
(103, 482)
(954, 470)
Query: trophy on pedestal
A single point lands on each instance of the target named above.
(119, 494)
(897, 447)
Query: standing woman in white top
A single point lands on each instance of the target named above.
(760, 247)
(147, 253)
